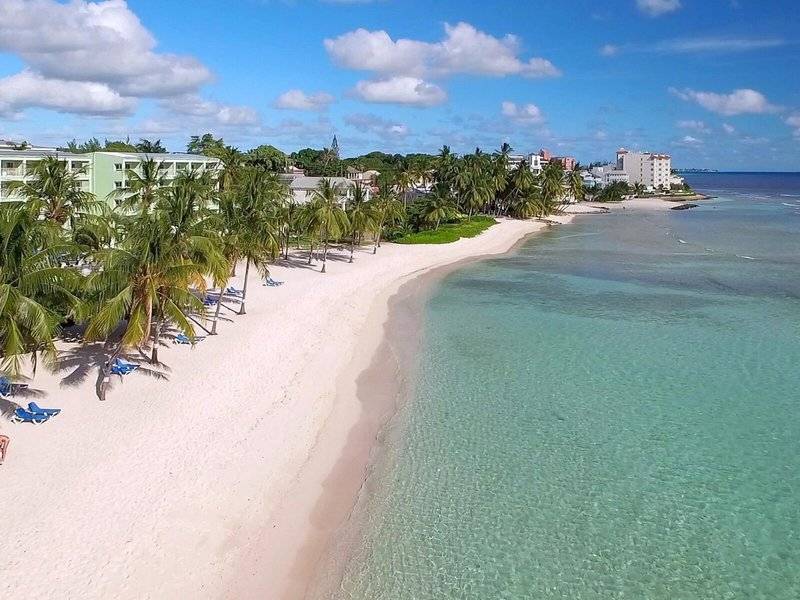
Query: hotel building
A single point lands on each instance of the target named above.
(653, 171)
(99, 173)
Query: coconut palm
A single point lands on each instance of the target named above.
(438, 205)
(232, 160)
(552, 186)
(575, 185)
(327, 219)
(361, 215)
(143, 184)
(388, 211)
(36, 292)
(259, 195)
(54, 190)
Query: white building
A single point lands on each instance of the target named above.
(303, 188)
(608, 174)
(653, 171)
(534, 162)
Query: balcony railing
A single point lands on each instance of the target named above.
(12, 172)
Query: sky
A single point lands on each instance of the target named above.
(712, 82)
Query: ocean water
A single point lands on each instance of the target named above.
(611, 412)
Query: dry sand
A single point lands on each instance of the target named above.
(224, 474)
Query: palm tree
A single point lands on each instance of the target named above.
(259, 195)
(638, 189)
(388, 211)
(438, 205)
(361, 215)
(143, 185)
(33, 287)
(327, 218)
(552, 187)
(232, 160)
(54, 190)
(575, 185)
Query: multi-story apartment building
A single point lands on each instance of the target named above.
(646, 168)
(567, 162)
(534, 162)
(99, 173)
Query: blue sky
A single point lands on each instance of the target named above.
(714, 83)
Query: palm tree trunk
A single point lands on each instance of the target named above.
(217, 309)
(324, 255)
(156, 339)
(311, 252)
(352, 246)
(101, 392)
(378, 239)
(244, 287)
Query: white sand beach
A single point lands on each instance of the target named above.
(204, 481)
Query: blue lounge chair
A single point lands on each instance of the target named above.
(121, 367)
(23, 416)
(182, 338)
(7, 388)
(36, 409)
(210, 300)
(272, 283)
(234, 291)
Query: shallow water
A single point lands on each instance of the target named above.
(612, 412)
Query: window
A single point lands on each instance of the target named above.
(118, 166)
(118, 184)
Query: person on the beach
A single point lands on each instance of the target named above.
(4, 440)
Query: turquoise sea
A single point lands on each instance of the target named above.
(611, 412)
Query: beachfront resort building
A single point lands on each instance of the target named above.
(303, 187)
(99, 173)
(534, 162)
(653, 171)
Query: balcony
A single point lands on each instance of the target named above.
(12, 172)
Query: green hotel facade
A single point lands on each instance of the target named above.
(100, 173)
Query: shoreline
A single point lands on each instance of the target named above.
(182, 483)
(389, 366)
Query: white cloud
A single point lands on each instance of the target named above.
(27, 89)
(94, 58)
(656, 8)
(528, 114)
(738, 102)
(609, 50)
(698, 126)
(377, 125)
(401, 90)
(464, 49)
(715, 44)
(793, 121)
(729, 129)
(299, 100)
(212, 112)
(690, 140)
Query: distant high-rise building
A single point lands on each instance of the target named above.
(646, 168)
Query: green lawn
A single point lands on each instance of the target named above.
(450, 232)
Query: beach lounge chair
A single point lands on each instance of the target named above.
(7, 388)
(122, 367)
(210, 300)
(24, 416)
(234, 291)
(36, 409)
(272, 283)
(182, 338)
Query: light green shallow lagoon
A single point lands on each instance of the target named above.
(612, 412)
